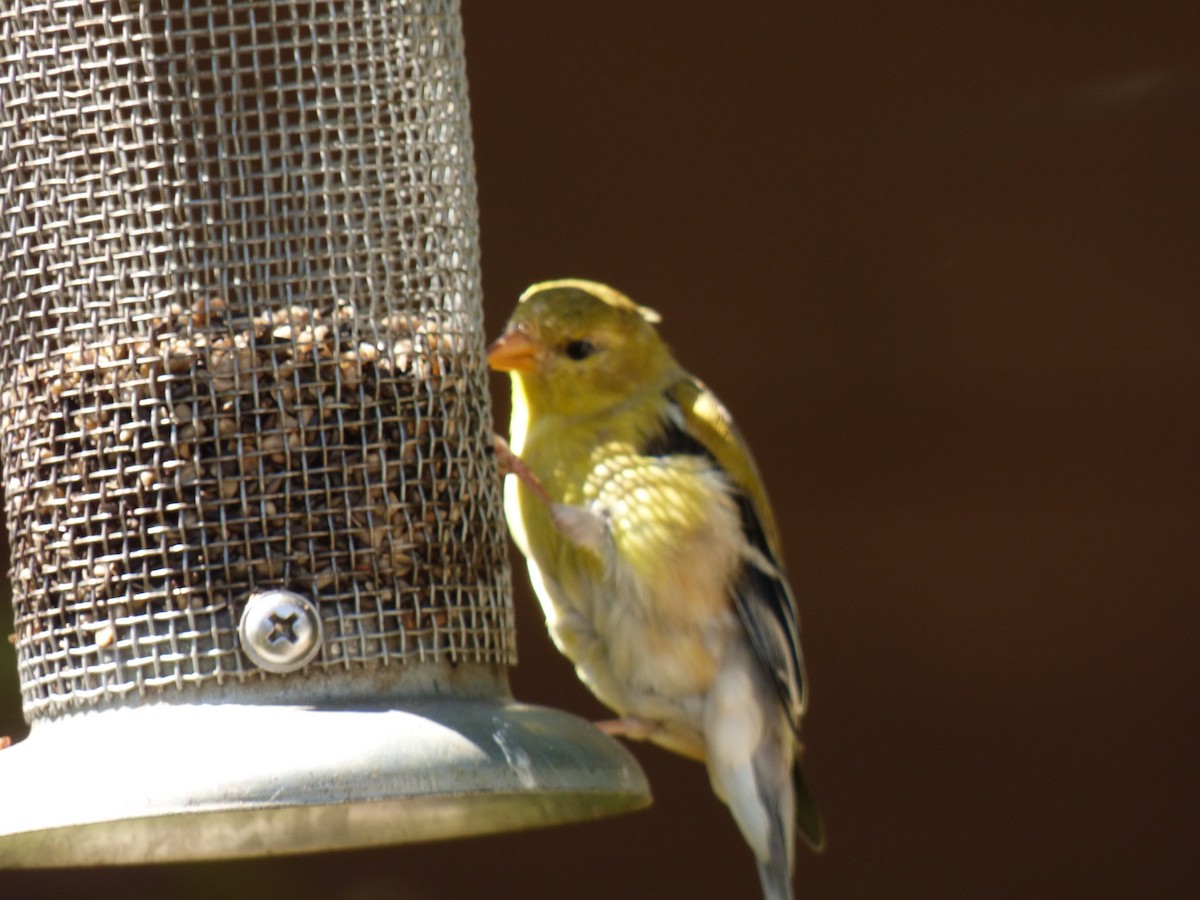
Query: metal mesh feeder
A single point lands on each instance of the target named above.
(261, 592)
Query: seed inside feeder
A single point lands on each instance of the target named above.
(222, 454)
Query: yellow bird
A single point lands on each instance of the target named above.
(653, 551)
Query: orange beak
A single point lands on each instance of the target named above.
(514, 351)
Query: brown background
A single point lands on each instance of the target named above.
(942, 264)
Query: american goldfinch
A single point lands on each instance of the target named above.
(653, 551)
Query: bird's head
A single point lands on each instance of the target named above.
(575, 347)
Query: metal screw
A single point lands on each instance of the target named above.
(280, 630)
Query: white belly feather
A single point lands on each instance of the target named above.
(648, 623)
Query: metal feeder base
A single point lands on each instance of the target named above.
(171, 782)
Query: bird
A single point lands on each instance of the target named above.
(653, 551)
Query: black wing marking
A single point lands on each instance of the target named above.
(768, 612)
(761, 595)
(672, 439)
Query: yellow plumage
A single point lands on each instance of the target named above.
(653, 551)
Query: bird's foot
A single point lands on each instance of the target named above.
(580, 525)
(510, 464)
(630, 727)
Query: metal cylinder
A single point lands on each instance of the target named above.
(246, 434)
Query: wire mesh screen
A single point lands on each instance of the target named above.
(241, 340)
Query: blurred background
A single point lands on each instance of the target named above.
(942, 260)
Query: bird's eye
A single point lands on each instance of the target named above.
(578, 350)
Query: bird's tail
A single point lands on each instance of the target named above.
(751, 756)
(776, 879)
(808, 817)
(770, 767)
(775, 871)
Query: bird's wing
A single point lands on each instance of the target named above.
(697, 424)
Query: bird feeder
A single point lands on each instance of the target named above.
(261, 593)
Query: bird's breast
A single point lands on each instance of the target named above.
(650, 614)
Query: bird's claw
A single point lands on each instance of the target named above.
(580, 525)
(509, 463)
(630, 727)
